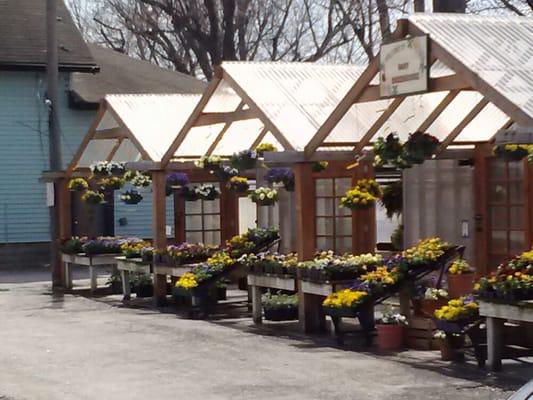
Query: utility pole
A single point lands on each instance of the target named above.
(54, 144)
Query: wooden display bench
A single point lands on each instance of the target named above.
(92, 262)
(163, 271)
(310, 297)
(256, 282)
(126, 266)
(497, 314)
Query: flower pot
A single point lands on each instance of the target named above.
(390, 337)
(460, 285)
(427, 307)
(144, 290)
(222, 293)
(451, 348)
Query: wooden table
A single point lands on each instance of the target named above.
(173, 272)
(127, 266)
(310, 298)
(497, 314)
(93, 262)
(256, 282)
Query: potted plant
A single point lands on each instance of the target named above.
(138, 179)
(513, 152)
(207, 192)
(243, 160)
(74, 245)
(319, 166)
(115, 282)
(282, 176)
(78, 185)
(225, 173)
(131, 197)
(262, 148)
(390, 330)
(450, 345)
(93, 198)
(362, 196)
(209, 163)
(460, 278)
(419, 147)
(133, 250)
(264, 196)
(238, 184)
(280, 307)
(147, 254)
(221, 288)
(142, 285)
(427, 299)
(392, 198)
(389, 151)
(177, 180)
(110, 183)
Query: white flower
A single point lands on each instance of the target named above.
(262, 196)
(440, 335)
(270, 195)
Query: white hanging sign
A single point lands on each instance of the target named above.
(403, 67)
(50, 198)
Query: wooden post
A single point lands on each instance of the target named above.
(63, 198)
(363, 221)
(229, 213)
(126, 290)
(159, 231)
(494, 342)
(179, 218)
(481, 208)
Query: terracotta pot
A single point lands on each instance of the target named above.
(446, 353)
(390, 337)
(460, 285)
(451, 348)
(428, 306)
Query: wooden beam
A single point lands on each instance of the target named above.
(338, 144)
(189, 124)
(259, 113)
(222, 132)
(213, 118)
(343, 107)
(462, 125)
(437, 111)
(114, 150)
(87, 138)
(159, 231)
(111, 133)
(441, 84)
(475, 81)
(129, 134)
(259, 138)
(384, 117)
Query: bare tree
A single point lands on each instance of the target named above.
(192, 36)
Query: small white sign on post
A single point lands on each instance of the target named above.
(50, 195)
(403, 67)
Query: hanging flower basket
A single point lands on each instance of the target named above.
(131, 197)
(189, 194)
(513, 152)
(265, 147)
(283, 176)
(105, 168)
(93, 198)
(78, 185)
(207, 192)
(209, 163)
(246, 159)
(319, 166)
(419, 147)
(110, 183)
(264, 196)
(392, 198)
(225, 173)
(363, 195)
(238, 184)
(177, 180)
(388, 151)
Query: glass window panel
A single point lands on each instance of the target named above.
(516, 170)
(194, 237)
(324, 243)
(498, 193)
(498, 217)
(212, 237)
(193, 207)
(516, 217)
(212, 206)
(324, 226)
(516, 192)
(497, 168)
(212, 221)
(325, 206)
(496, 259)
(342, 185)
(343, 245)
(498, 242)
(342, 211)
(343, 226)
(193, 222)
(324, 187)
(517, 242)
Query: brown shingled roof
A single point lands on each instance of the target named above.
(121, 74)
(23, 37)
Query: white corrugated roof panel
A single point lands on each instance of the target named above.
(498, 49)
(154, 120)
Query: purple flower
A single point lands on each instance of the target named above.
(177, 179)
(281, 175)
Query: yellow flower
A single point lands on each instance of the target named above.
(187, 281)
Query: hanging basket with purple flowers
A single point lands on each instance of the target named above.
(283, 176)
